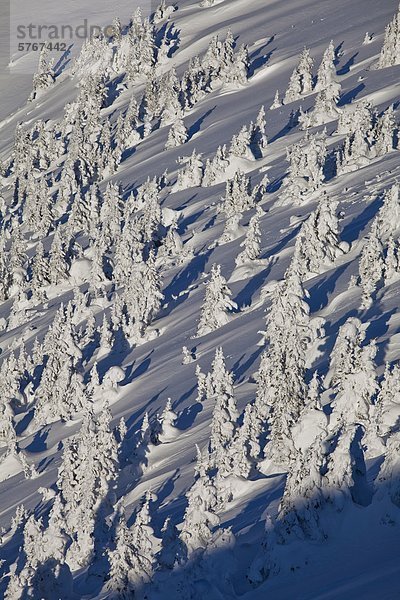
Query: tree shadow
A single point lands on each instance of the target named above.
(282, 243)
(377, 327)
(188, 416)
(131, 374)
(352, 230)
(24, 422)
(338, 48)
(245, 296)
(348, 97)
(260, 61)
(195, 128)
(38, 444)
(320, 292)
(63, 61)
(346, 67)
(257, 59)
(185, 278)
(239, 370)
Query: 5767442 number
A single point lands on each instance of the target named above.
(38, 46)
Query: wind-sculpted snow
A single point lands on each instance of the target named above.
(199, 328)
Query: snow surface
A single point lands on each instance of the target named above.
(360, 557)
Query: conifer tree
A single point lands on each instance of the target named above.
(318, 243)
(177, 134)
(390, 52)
(192, 173)
(371, 266)
(303, 498)
(251, 245)
(216, 303)
(200, 517)
(326, 71)
(225, 414)
(301, 79)
(281, 392)
(384, 132)
(306, 170)
(387, 408)
(344, 467)
(277, 101)
(44, 78)
(388, 473)
(352, 376)
(128, 568)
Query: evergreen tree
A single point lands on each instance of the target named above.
(301, 79)
(277, 103)
(281, 392)
(326, 71)
(177, 134)
(200, 517)
(251, 245)
(192, 173)
(388, 477)
(44, 78)
(128, 568)
(318, 243)
(306, 170)
(390, 52)
(386, 411)
(216, 303)
(371, 266)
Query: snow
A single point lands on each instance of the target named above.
(359, 557)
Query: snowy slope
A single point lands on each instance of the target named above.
(359, 557)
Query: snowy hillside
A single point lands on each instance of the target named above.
(199, 325)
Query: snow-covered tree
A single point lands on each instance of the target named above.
(129, 568)
(177, 134)
(217, 303)
(277, 103)
(44, 78)
(192, 173)
(85, 478)
(345, 467)
(282, 392)
(326, 71)
(386, 411)
(392, 260)
(240, 146)
(352, 376)
(251, 245)
(371, 266)
(384, 132)
(387, 219)
(265, 564)
(302, 499)
(238, 197)
(258, 135)
(301, 81)
(388, 477)
(171, 552)
(214, 169)
(58, 264)
(244, 447)
(306, 170)
(224, 416)
(325, 107)
(200, 517)
(142, 297)
(167, 430)
(390, 52)
(318, 243)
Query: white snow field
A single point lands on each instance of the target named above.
(199, 326)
